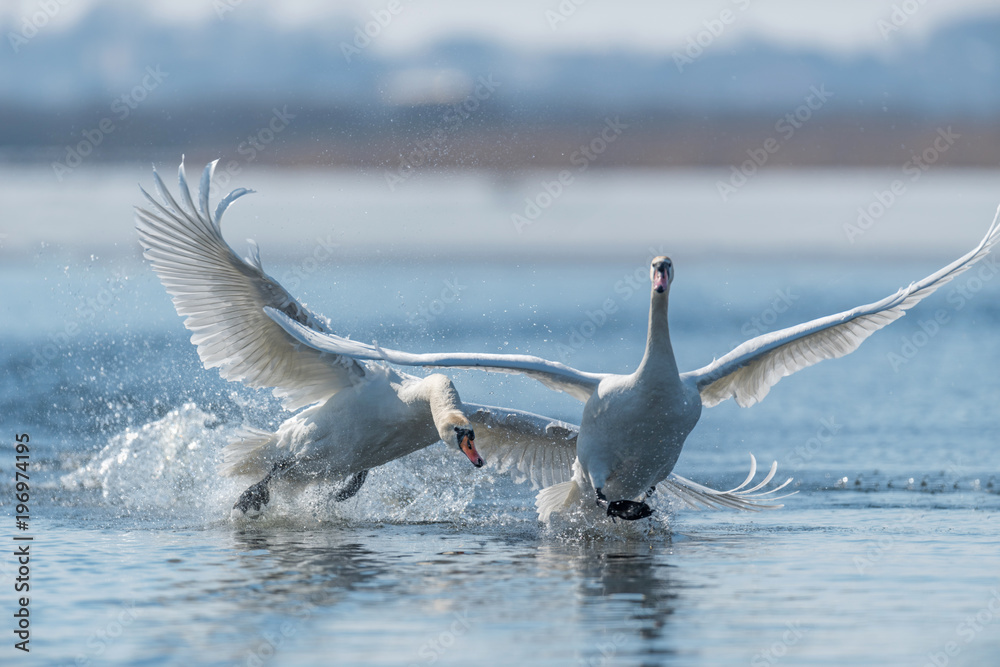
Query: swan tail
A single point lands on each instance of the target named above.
(753, 499)
(247, 455)
(556, 498)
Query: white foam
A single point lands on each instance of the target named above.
(167, 467)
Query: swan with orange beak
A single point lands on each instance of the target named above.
(357, 415)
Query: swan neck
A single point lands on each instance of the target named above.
(446, 408)
(659, 356)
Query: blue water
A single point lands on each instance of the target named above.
(888, 554)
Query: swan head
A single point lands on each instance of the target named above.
(661, 274)
(463, 438)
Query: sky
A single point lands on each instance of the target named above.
(844, 26)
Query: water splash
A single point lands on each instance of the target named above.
(163, 467)
(167, 469)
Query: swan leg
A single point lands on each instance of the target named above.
(253, 500)
(352, 487)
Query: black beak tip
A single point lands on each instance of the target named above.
(479, 462)
(629, 510)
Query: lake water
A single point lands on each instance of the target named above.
(889, 553)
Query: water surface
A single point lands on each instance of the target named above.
(886, 555)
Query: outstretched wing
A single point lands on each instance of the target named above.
(223, 298)
(542, 450)
(748, 372)
(550, 373)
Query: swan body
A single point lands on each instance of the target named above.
(358, 414)
(634, 426)
(648, 433)
(386, 417)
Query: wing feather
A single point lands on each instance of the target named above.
(529, 446)
(552, 374)
(749, 371)
(223, 298)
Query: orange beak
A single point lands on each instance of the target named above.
(660, 280)
(468, 446)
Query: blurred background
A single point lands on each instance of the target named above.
(494, 177)
(719, 95)
(697, 82)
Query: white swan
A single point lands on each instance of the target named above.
(634, 426)
(364, 414)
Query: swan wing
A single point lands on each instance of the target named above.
(749, 371)
(223, 298)
(537, 448)
(552, 374)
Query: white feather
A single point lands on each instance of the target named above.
(223, 297)
(749, 371)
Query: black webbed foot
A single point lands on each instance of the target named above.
(353, 485)
(629, 510)
(253, 499)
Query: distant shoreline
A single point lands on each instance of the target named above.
(409, 138)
